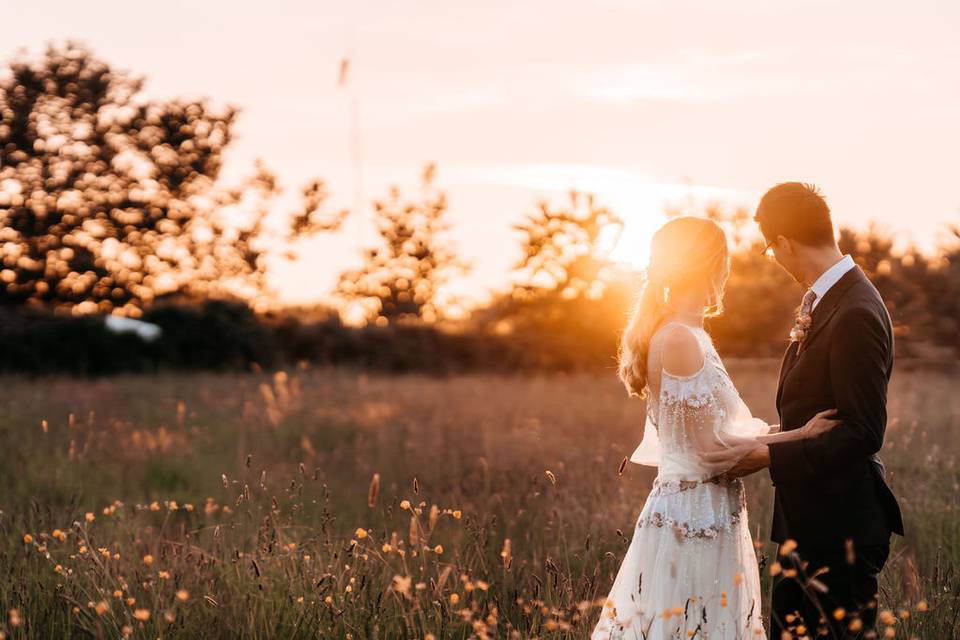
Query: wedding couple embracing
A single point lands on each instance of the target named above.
(691, 569)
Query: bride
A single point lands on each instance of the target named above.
(690, 570)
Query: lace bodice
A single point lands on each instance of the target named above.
(690, 415)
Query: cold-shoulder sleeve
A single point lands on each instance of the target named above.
(691, 407)
(692, 415)
(743, 424)
(682, 420)
(648, 451)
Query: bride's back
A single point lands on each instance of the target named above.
(676, 349)
(684, 400)
(692, 403)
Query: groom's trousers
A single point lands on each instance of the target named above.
(842, 601)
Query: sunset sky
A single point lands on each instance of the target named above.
(646, 104)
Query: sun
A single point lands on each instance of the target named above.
(642, 211)
(643, 206)
(632, 248)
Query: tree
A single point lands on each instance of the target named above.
(109, 200)
(562, 250)
(942, 285)
(252, 203)
(400, 279)
(568, 301)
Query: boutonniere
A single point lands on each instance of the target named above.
(800, 330)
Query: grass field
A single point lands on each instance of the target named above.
(333, 504)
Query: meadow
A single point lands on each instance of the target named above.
(332, 503)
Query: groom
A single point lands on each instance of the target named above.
(831, 497)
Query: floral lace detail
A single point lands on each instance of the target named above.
(694, 508)
(697, 390)
(669, 487)
(684, 530)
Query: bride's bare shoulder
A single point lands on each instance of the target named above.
(679, 349)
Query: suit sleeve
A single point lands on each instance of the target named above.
(859, 356)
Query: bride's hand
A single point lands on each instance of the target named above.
(820, 424)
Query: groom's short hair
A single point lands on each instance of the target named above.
(797, 211)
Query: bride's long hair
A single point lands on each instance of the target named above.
(687, 255)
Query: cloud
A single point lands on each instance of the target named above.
(696, 77)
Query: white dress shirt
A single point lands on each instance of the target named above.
(830, 277)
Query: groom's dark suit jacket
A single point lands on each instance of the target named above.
(832, 488)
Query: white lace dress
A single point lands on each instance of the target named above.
(690, 570)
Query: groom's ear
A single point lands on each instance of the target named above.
(785, 244)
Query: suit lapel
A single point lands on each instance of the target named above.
(789, 356)
(820, 316)
(829, 305)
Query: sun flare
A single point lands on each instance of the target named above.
(643, 206)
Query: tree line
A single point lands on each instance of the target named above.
(112, 203)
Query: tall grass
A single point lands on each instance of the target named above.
(334, 504)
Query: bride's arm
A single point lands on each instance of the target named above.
(781, 436)
(817, 425)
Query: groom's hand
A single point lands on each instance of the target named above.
(742, 464)
(757, 459)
